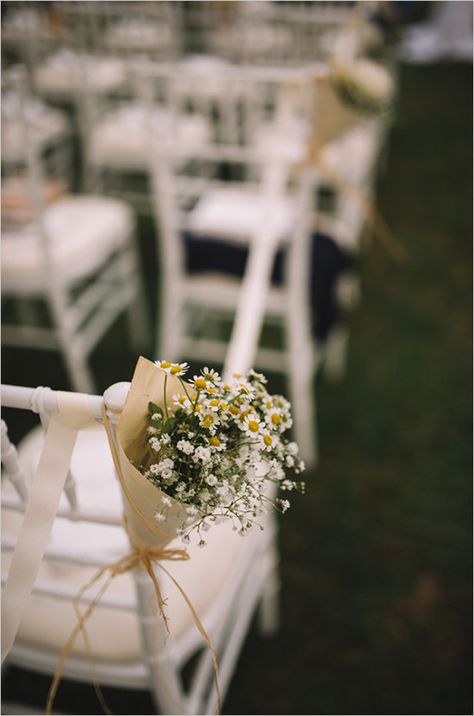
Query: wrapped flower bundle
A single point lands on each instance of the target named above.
(215, 450)
(364, 85)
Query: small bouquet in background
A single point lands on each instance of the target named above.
(364, 85)
(217, 449)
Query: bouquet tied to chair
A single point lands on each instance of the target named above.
(195, 452)
(189, 454)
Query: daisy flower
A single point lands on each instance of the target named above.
(211, 375)
(252, 425)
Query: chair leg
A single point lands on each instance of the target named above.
(74, 357)
(77, 367)
(269, 607)
(170, 327)
(302, 391)
(137, 312)
(335, 354)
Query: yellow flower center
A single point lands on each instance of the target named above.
(276, 420)
(208, 421)
(214, 441)
(244, 414)
(198, 408)
(165, 364)
(226, 386)
(253, 426)
(181, 399)
(214, 402)
(212, 390)
(234, 409)
(200, 383)
(267, 440)
(237, 375)
(176, 369)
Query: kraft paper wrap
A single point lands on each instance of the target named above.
(142, 498)
(332, 116)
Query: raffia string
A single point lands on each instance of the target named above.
(140, 558)
(373, 216)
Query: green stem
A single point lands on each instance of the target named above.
(185, 390)
(164, 395)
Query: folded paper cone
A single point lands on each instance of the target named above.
(332, 116)
(142, 498)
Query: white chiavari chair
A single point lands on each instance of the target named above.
(75, 254)
(225, 581)
(258, 205)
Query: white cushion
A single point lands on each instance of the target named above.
(82, 231)
(286, 140)
(114, 634)
(137, 34)
(46, 126)
(62, 73)
(122, 138)
(234, 216)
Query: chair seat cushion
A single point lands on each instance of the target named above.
(62, 73)
(121, 139)
(46, 125)
(82, 231)
(328, 263)
(233, 216)
(115, 634)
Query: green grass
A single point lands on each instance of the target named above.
(376, 559)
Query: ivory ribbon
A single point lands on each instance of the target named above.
(73, 415)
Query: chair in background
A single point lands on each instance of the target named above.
(222, 199)
(226, 581)
(115, 135)
(73, 253)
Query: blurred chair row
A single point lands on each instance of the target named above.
(223, 150)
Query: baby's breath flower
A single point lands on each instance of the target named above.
(185, 446)
(155, 444)
(202, 454)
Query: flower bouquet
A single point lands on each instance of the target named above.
(354, 91)
(365, 86)
(195, 452)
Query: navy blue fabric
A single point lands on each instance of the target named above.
(328, 262)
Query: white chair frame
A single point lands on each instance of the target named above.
(158, 669)
(182, 296)
(77, 323)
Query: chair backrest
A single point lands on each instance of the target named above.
(269, 33)
(34, 172)
(77, 514)
(243, 110)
